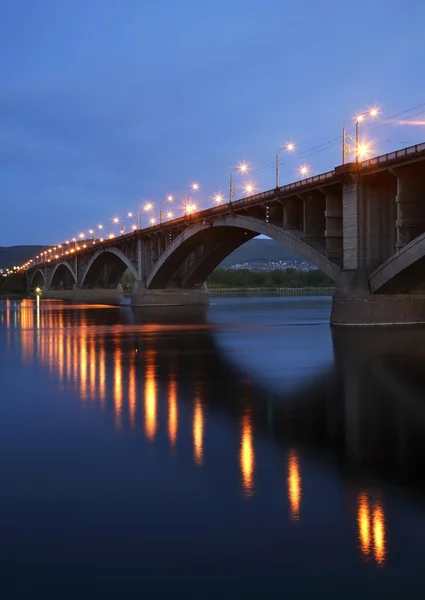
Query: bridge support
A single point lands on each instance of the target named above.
(140, 296)
(354, 305)
(52, 294)
(97, 295)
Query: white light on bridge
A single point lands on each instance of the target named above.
(304, 170)
(218, 198)
(249, 188)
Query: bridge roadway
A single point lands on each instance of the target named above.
(361, 224)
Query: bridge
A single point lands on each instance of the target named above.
(363, 224)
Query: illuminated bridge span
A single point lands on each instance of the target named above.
(361, 224)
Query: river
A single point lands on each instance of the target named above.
(246, 450)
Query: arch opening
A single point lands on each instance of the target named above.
(106, 269)
(38, 280)
(62, 277)
(198, 251)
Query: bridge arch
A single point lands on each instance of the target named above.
(106, 268)
(218, 239)
(37, 279)
(403, 272)
(62, 274)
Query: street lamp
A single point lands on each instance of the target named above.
(242, 168)
(189, 207)
(218, 199)
(304, 170)
(168, 198)
(289, 148)
(373, 112)
(147, 208)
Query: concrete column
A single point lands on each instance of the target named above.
(410, 202)
(292, 213)
(376, 210)
(314, 216)
(350, 224)
(139, 260)
(333, 223)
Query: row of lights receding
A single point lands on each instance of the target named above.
(361, 150)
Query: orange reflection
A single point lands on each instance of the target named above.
(8, 307)
(150, 395)
(379, 541)
(132, 395)
(27, 336)
(247, 457)
(363, 522)
(92, 376)
(83, 366)
(172, 412)
(294, 485)
(371, 527)
(117, 387)
(61, 347)
(102, 375)
(198, 431)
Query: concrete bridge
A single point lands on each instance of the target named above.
(361, 224)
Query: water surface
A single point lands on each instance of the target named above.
(241, 451)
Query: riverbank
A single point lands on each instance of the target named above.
(254, 291)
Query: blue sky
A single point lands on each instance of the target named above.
(105, 104)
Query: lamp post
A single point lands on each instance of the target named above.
(242, 168)
(168, 198)
(373, 112)
(186, 205)
(289, 147)
(147, 208)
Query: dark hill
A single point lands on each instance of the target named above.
(11, 256)
(260, 250)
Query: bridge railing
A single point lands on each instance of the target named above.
(383, 158)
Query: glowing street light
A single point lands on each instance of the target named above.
(152, 220)
(242, 168)
(186, 204)
(168, 198)
(249, 188)
(218, 199)
(147, 208)
(304, 170)
(372, 112)
(364, 150)
(290, 147)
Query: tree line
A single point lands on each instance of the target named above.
(278, 278)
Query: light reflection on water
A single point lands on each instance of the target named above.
(186, 382)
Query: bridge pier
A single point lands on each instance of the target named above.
(52, 294)
(354, 305)
(141, 296)
(112, 296)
